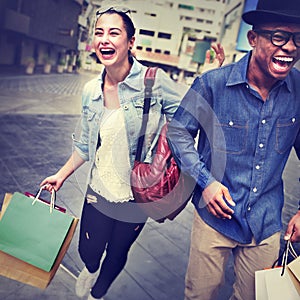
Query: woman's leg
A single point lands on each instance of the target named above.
(123, 236)
(95, 231)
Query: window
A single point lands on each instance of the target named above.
(188, 18)
(192, 39)
(150, 14)
(157, 51)
(184, 6)
(167, 52)
(139, 48)
(148, 49)
(163, 35)
(146, 32)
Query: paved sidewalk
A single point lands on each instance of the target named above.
(37, 117)
(61, 287)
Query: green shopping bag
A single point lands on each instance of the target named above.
(33, 231)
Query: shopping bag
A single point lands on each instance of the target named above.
(20, 270)
(294, 269)
(31, 232)
(280, 282)
(271, 285)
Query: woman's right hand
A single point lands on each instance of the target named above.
(52, 182)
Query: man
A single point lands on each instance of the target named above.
(247, 115)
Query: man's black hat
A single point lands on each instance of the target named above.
(279, 11)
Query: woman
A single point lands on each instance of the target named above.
(111, 119)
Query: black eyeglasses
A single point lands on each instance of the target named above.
(280, 37)
(118, 9)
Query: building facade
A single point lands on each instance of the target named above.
(173, 34)
(40, 32)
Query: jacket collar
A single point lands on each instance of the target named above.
(134, 80)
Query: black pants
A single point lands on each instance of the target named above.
(99, 232)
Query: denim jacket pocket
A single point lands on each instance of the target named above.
(230, 136)
(139, 105)
(286, 132)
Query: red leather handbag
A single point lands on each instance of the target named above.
(159, 188)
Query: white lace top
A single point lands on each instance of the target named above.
(111, 171)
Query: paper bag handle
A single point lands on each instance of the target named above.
(52, 200)
(288, 249)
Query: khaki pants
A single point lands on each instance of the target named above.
(209, 253)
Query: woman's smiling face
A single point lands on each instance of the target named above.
(111, 40)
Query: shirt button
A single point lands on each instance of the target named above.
(230, 123)
(293, 120)
(257, 167)
(254, 190)
(249, 208)
(261, 145)
(263, 121)
(126, 107)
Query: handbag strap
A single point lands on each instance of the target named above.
(149, 82)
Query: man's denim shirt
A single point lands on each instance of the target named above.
(244, 143)
(166, 97)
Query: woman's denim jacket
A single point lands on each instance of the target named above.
(166, 96)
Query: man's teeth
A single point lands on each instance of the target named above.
(284, 59)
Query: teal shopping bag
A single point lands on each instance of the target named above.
(31, 232)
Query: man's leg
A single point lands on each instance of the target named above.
(209, 252)
(250, 258)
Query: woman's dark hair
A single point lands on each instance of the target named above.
(128, 24)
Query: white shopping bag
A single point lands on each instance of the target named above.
(270, 285)
(294, 268)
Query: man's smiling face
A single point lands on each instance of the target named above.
(274, 61)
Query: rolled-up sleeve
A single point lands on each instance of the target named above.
(81, 138)
(172, 94)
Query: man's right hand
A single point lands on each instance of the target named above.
(217, 198)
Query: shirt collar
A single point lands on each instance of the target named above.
(239, 74)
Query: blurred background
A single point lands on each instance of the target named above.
(56, 35)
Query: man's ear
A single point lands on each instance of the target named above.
(252, 38)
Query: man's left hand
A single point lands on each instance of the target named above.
(293, 229)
